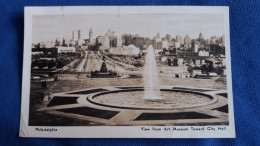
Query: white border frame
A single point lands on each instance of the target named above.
(119, 131)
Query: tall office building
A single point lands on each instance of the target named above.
(223, 40)
(127, 39)
(168, 38)
(110, 33)
(91, 35)
(119, 42)
(58, 42)
(157, 36)
(201, 36)
(138, 42)
(213, 39)
(178, 38)
(76, 35)
(187, 39)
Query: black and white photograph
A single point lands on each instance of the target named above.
(153, 69)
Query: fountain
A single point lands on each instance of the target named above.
(150, 76)
(150, 96)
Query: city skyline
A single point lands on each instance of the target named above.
(45, 26)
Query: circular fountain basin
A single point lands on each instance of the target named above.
(133, 99)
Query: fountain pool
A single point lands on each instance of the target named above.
(133, 99)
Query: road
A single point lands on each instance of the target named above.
(82, 64)
(93, 62)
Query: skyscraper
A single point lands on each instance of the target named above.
(178, 38)
(58, 42)
(187, 39)
(91, 35)
(223, 40)
(76, 35)
(119, 42)
(213, 39)
(110, 34)
(157, 36)
(126, 39)
(168, 38)
(201, 36)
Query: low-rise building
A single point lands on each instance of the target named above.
(65, 49)
(195, 72)
(174, 71)
(130, 50)
(204, 53)
(186, 54)
(177, 44)
(180, 61)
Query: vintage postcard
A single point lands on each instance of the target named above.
(127, 72)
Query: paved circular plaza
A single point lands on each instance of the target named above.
(113, 106)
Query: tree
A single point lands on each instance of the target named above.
(51, 64)
(169, 62)
(175, 62)
(190, 69)
(34, 63)
(42, 63)
(204, 69)
(60, 64)
(210, 68)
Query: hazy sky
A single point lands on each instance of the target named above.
(50, 27)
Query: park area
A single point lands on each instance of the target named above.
(71, 82)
